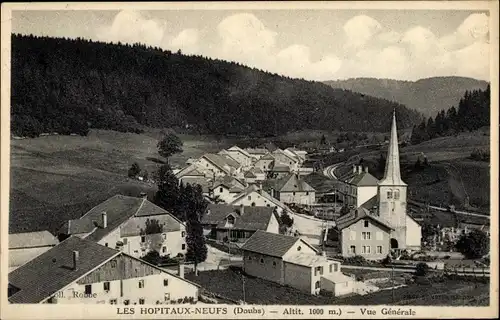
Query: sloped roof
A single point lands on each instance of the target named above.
(252, 218)
(264, 194)
(51, 271)
(257, 170)
(267, 156)
(371, 203)
(191, 170)
(134, 226)
(279, 167)
(270, 244)
(221, 161)
(287, 154)
(363, 179)
(293, 184)
(337, 277)
(230, 181)
(236, 148)
(256, 150)
(118, 209)
(362, 213)
(31, 240)
(305, 259)
(250, 174)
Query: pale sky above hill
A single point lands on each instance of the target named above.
(311, 44)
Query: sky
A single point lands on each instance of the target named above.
(317, 45)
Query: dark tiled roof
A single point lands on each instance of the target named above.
(118, 210)
(253, 218)
(48, 273)
(270, 244)
(371, 204)
(293, 184)
(362, 213)
(256, 150)
(31, 239)
(221, 161)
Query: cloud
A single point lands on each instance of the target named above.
(360, 29)
(186, 40)
(132, 27)
(473, 29)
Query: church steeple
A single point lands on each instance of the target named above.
(392, 174)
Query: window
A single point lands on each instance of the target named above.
(253, 204)
(167, 296)
(113, 263)
(294, 193)
(335, 267)
(379, 249)
(366, 235)
(274, 264)
(366, 249)
(379, 235)
(141, 284)
(183, 234)
(221, 190)
(106, 244)
(125, 241)
(143, 239)
(112, 301)
(318, 270)
(249, 197)
(183, 246)
(106, 286)
(352, 249)
(307, 193)
(126, 302)
(367, 223)
(88, 289)
(165, 282)
(316, 285)
(389, 194)
(141, 300)
(261, 260)
(396, 194)
(299, 248)
(164, 236)
(249, 257)
(164, 249)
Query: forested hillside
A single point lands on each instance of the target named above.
(429, 96)
(69, 86)
(473, 113)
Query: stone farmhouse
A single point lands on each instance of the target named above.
(79, 271)
(294, 262)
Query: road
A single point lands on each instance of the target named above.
(330, 171)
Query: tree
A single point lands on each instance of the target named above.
(421, 269)
(169, 145)
(168, 190)
(153, 226)
(134, 170)
(473, 245)
(145, 175)
(194, 206)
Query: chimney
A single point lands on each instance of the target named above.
(354, 168)
(242, 209)
(360, 169)
(366, 169)
(76, 256)
(180, 270)
(104, 219)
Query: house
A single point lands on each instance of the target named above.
(358, 187)
(190, 172)
(294, 262)
(301, 154)
(255, 196)
(265, 163)
(241, 156)
(385, 214)
(363, 233)
(216, 165)
(292, 189)
(254, 175)
(280, 170)
(237, 223)
(256, 153)
(24, 247)
(133, 225)
(286, 158)
(224, 191)
(79, 271)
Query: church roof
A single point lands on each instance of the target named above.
(392, 173)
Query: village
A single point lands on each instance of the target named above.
(264, 227)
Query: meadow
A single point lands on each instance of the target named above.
(55, 178)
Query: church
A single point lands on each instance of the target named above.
(381, 224)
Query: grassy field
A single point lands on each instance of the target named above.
(55, 178)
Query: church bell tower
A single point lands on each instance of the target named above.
(392, 192)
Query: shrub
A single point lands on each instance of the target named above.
(421, 269)
(356, 261)
(326, 293)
